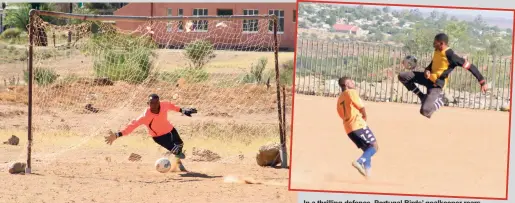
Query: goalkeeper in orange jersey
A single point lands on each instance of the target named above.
(351, 110)
(161, 130)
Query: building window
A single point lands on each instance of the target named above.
(294, 16)
(180, 12)
(169, 24)
(280, 16)
(250, 25)
(200, 25)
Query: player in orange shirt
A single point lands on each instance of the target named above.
(159, 128)
(352, 111)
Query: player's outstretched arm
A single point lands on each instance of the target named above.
(169, 106)
(455, 60)
(127, 130)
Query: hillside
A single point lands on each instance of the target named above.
(409, 28)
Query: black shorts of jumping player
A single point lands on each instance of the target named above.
(171, 141)
(363, 138)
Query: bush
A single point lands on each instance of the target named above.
(199, 52)
(42, 76)
(256, 71)
(128, 59)
(188, 74)
(11, 33)
(285, 73)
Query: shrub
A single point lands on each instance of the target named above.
(188, 74)
(42, 76)
(129, 59)
(199, 52)
(256, 71)
(285, 73)
(11, 33)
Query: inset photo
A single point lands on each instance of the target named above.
(402, 100)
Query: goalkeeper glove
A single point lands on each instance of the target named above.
(188, 111)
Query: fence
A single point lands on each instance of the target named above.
(375, 69)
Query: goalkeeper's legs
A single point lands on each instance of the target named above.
(174, 144)
(433, 101)
(409, 78)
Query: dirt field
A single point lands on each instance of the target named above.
(72, 166)
(467, 157)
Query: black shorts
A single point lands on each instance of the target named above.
(363, 138)
(171, 141)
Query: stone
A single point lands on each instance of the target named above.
(269, 155)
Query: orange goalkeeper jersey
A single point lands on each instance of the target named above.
(157, 124)
(348, 106)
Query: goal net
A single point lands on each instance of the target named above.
(91, 74)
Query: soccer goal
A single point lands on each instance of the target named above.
(88, 74)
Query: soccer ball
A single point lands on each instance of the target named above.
(409, 62)
(163, 165)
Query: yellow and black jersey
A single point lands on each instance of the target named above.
(443, 64)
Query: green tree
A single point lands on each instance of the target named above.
(458, 34)
(386, 9)
(331, 20)
(421, 40)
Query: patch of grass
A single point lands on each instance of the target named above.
(255, 74)
(199, 53)
(188, 74)
(11, 54)
(121, 57)
(42, 76)
(285, 73)
(14, 36)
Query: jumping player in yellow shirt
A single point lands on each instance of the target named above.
(435, 76)
(351, 110)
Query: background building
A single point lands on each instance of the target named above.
(284, 9)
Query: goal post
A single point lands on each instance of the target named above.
(100, 74)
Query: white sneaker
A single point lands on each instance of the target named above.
(360, 168)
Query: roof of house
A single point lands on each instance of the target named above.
(343, 27)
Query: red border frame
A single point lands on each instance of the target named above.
(401, 5)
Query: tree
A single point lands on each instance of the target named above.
(479, 21)
(434, 15)
(386, 9)
(421, 40)
(458, 34)
(331, 20)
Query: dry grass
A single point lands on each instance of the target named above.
(228, 140)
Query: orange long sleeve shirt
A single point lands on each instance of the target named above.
(348, 106)
(157, 124)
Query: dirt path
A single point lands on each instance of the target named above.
(467, 157)
(86, 175)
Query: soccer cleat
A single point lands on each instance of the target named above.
(360, 167)
(181, 166)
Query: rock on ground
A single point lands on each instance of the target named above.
(13, 140)
(17, 168)
(269, 155)
(200, 154)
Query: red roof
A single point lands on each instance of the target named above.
(343, 27)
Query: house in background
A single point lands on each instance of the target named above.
(286, 10)
(348, 29)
